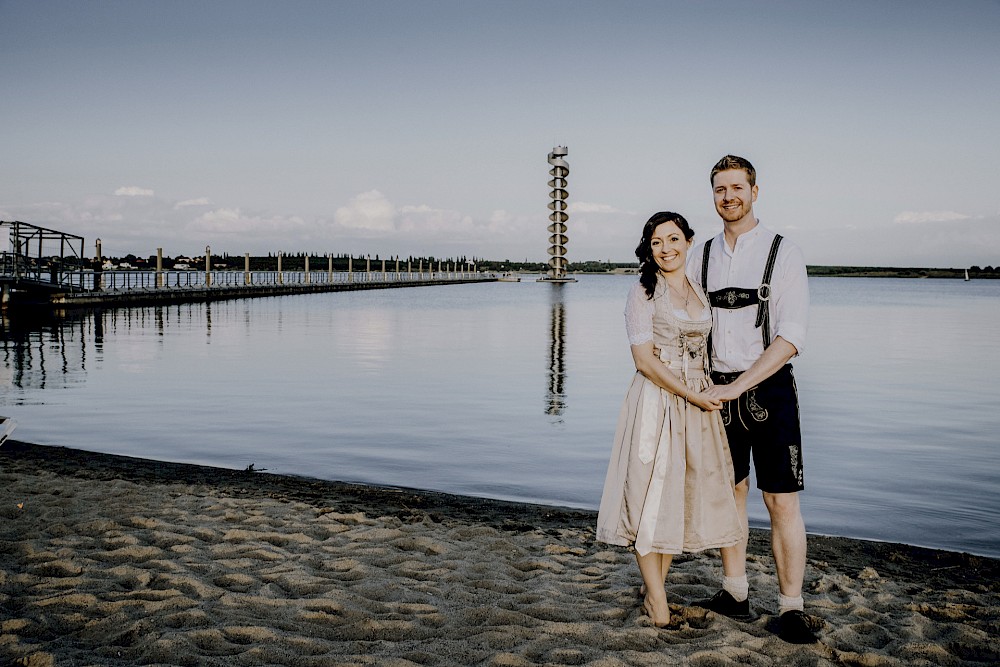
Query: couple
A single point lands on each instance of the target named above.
(711, 339)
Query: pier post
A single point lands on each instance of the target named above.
(159, 267)
(409, 269)
(99, 269)
(350, 269)
(281, 276)
(246, 268)
(383, 271)
(208, 266)
(397, 268)
(420, 271)
(307, 269)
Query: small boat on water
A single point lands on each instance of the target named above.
(509, 277)
(966, 275)
(7, 426)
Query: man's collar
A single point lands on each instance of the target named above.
(744, 238)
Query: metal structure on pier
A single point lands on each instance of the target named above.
(558, 218)
(39, 260)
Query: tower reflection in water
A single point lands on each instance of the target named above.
(555, 397)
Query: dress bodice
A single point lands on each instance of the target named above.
(682, 343)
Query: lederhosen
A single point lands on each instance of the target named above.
(766, 415)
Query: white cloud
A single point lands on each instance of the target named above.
(499, 216)
(219, 223)
(424, 219)
(368, 210)
(133, 191)
(367, 223)
(907, 217)
(591, 207)
(200, 201)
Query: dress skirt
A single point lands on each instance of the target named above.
(669, 487)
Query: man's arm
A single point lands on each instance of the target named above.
(777, 354)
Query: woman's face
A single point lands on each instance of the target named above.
(669, 247)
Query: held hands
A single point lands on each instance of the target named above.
(704, 400)
(723, 392)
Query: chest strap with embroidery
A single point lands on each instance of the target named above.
(733, 298)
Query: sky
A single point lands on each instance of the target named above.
(422, 127)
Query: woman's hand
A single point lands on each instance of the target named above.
(647, 362)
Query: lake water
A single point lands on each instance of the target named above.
(512, 390)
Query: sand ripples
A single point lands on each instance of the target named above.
(130, 572)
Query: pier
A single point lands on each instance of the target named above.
(47, 268)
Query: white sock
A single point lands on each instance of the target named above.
(788, 604)
(738, 587)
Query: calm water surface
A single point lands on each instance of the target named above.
(511, 390)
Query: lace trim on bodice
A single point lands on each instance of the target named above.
(681, 341)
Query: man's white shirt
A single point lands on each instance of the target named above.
(736, 342)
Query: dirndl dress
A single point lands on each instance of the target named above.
(669, 485)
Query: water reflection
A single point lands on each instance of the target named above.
(555, 397)
(99, 332)
(44, 349)
(319, 375)
(53, 349)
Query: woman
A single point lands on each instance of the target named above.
(669, 486)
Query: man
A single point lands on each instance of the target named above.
(756, 282)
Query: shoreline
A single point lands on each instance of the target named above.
(117, 560)
(362, 496)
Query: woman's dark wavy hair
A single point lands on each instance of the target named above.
(644, 251)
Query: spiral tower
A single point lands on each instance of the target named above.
(558, 217)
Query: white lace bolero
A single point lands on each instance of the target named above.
(639, 311)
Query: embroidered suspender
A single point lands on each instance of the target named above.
(764, 293)
(704, 288)
(732, 298)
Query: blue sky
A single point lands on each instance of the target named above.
(423, 127)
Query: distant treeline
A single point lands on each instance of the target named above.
(296, 262)
(901, 272)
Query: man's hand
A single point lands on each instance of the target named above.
(723, 392)
(775, 356)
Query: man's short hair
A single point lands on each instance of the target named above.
(734, 162)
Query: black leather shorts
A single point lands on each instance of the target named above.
(763, 424)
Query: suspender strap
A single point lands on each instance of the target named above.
(704, 266)
(764, 293)
(704, 288)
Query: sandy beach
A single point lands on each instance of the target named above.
(108, 560)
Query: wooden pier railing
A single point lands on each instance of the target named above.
(122, 288)
(46, 267)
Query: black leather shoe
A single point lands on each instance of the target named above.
(725, 604)
(795, 628)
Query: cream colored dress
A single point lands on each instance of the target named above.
(669, 486)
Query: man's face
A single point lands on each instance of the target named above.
(734, 197)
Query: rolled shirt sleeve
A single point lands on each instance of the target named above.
(790, 295)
